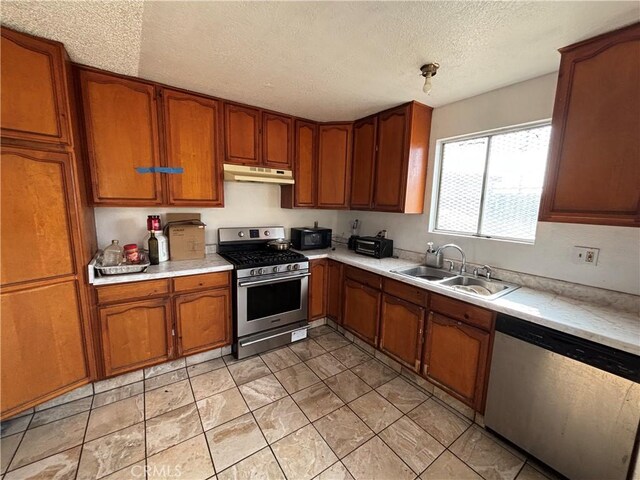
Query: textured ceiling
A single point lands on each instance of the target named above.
(322, 60)
(104, 34)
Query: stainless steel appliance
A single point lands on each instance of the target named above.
(571, 403)
(377, 247)
(308, 238)
(271, 287)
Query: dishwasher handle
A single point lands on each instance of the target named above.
(608, 359)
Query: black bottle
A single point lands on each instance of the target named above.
(154, 255)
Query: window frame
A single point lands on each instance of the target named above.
(437, 179)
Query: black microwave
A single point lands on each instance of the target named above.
(308, 238)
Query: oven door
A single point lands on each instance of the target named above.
(265, 303)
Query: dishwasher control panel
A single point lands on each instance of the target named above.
(605, 358)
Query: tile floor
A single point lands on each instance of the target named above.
(321, 408)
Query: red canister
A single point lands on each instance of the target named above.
(131, 252)
(153, 223)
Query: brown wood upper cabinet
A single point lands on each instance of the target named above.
(121, 118)
(303, 192)
(390, 160)
(192, 139)
(121, 126)
(242, 144)
(34, 98)
(277, 134)
(334, 165)
(255, 137)
(594, 156)
(318, 289)
(364, 157)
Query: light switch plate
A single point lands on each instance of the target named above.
(586, 255)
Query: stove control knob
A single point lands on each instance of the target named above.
(296, 267)
(252, 273)
(241, 234)
(267, 233)
(289, 267)
(275, 269)
(261, 271)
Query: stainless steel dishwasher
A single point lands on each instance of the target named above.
(571, 403)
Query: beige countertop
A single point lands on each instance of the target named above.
(602, 324)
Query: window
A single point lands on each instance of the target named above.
(490, 185)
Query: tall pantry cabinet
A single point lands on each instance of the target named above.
(47, 234)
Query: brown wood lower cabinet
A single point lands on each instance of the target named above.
(335, 281)
(203, 321)
(136, 334)
(456, 357)
(42, 347)
(361, 310)
(146, 323)
(401, 330)
(318, 289)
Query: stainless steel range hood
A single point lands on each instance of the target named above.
(242, 173)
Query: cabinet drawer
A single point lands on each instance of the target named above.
(201, 282)
(465, 312)
(406, 292)
(127, 291)
(367, 278)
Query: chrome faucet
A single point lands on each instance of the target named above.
(463, 266)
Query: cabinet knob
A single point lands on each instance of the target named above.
(459, 323)
(466, 316)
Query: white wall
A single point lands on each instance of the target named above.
(619, 263)
(245, 205)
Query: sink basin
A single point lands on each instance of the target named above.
(426, 273)
(479, 287)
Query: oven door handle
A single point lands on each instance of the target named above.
(273, 280)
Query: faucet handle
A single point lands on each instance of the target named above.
(488, 272)
(450, 262)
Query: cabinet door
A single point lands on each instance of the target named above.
(361, 310)
(318, 289)
(36, 205)
(455, 357)
(203, 320)
(135, 335)
(401, 330)
(334, 166)
(42, 344)
(303, 192)
(392, 160)
(277, 131)
(364, 156)
(241, 135)
(334, 290)
(191, 127)
(593, 169)
(34, 101)
(120, 118)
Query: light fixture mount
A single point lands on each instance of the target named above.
(429, 69)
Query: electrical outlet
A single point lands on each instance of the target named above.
(586, 255)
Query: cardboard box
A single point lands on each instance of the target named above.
(185, 232)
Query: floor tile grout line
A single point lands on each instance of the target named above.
(84, 436)
(12, 459)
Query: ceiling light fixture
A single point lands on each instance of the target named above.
(429, 70)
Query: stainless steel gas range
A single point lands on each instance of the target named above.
(270, 294)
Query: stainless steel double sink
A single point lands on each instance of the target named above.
(466, 284)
